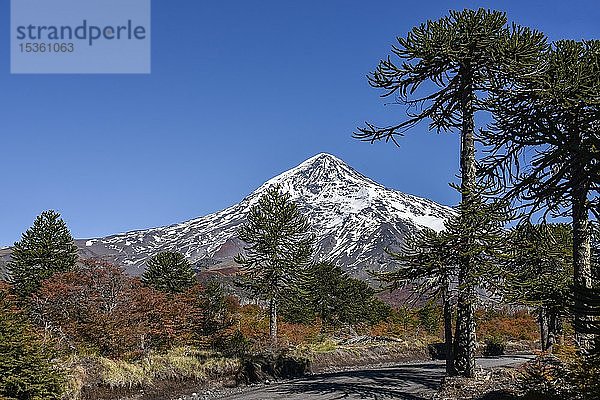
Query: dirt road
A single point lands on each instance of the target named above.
(413, 381)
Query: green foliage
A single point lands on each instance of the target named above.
(538, 265)
(45, 248)
(455, 57)
(477, 233)
(25, 370)
(280, 246)
(544, 146)
(235, 345)
(335, 297)
(170, 272)
(429, 317)
(216, 309)
(494, 346)
(554, 114)
(426, 262)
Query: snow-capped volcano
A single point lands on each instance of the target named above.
(354, 219)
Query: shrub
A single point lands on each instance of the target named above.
(546, 378)
(430, 318)
(494, 346)
(437, 351)
(25, 370)
(520, 325)
(236, 345)
(259, 368)
(170, 272)
(100, 308)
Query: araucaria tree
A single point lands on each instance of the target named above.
(431, 262)
(538, 272)
(278, 252)
(444, 69)
(428, 263)
(170, 272)
(335, 297)
(45, 248)
(26, 367)
(545, 145)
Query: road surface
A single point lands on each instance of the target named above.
(413, 381)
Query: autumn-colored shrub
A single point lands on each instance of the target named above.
(253, 324)
(404, 322)
(100, 308)
(518, 325)
(295, 334)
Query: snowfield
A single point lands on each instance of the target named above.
(355, 220)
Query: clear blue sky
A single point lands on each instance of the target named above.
(239, 92)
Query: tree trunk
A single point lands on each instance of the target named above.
(450, 371)
(543, 329)
(273, 321)
(582, 268)
(465, 318)
(464, 345)
(554, 328)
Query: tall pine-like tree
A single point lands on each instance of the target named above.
(279, 250)
(444, 68)
(545, 145)
(432, 263)
(26, 371)
(170, 272)
(538, 272)
(428, 263)
(45, 248)
(335, 297)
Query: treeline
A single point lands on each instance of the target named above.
(54, 305)
(539, 159)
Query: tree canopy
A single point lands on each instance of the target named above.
(279, 249)
(45, 248)
(169, 271)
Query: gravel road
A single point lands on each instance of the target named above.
(412, 381)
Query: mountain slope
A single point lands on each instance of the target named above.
(354, 218)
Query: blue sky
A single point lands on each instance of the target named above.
(239, 92)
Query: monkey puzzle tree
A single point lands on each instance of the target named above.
(170, 272)
(432, 263)
(544, 143)
(459, 58)
(27, 369)
(538, 272)
(278, 252)
(45, 248)
(427, 263)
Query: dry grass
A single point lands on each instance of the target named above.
(179, 364)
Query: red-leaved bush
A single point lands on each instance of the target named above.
(98, 307)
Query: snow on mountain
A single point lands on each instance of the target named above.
(354, 217)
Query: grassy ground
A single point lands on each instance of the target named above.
(97, 377)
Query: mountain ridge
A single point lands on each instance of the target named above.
(355, 219)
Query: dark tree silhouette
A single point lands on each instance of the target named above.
(544, 145)
(460, 57)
